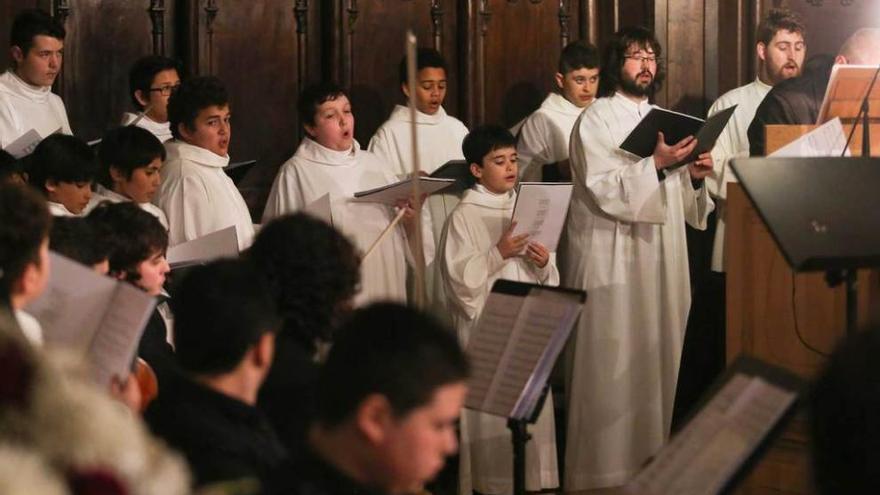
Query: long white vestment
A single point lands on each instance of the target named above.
(162, 130)
(198, 197)
(544, 136)
(732, 143)
(314, 171)
(470, 264)
(625, 244)
(24, 107)
(440, 136)
(102, 194)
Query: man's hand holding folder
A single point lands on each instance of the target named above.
(666, 156)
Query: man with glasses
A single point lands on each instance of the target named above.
(625, 244)
(151, 81)
(780, 50)
(26, 98)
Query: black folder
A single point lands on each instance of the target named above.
(675, 127)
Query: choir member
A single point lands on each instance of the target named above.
(391, 392)
(330, 161)
(544, 135)
(129, 160)
(63, 168)
(26, 98)
(24, 254)
(478, 248)
(625, 245)
(196, 194)
(439, 141)
(76, 238)
(224, 337)
(11, 170)
(151, 81)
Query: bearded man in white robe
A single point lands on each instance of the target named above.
(625, 245)
(26, 98)
(543, 138)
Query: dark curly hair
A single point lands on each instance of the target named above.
(132, 234)
(614, 57)
(76, 238)
(193, 96)
(144, 70)
(312, 271)
(24, 224)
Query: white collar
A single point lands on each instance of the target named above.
(197, 154)
(311, 150)
(401, 113)
(762, 85)
(19, 87)
(558, 103)
(481, 196)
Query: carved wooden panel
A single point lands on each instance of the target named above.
(255, 49)
(104, 37)
(515, 48)
(369, 45)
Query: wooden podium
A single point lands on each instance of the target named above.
(778, 316)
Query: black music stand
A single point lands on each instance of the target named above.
(823, 213)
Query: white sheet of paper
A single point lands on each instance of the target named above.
(96, 317)
(709, 450)
(826, 140)
(220, 244)
(320, 209)
(401, 191)
(25, 144)
(540, 211)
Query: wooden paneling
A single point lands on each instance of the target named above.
(94, 82)
(370, 45)
(846, 16)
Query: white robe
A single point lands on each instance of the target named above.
(102, 194)
(625, 244)
(162, 131)
(30, 327)
(544, 136)
(59, 210)
(470, 265)
(440, 137)
(198, 197)
(24, 107)
(314, 171)
(732, 143)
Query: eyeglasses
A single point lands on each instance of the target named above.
(166, 90)
(642, 59)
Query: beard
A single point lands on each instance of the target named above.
(783, 72)
(632, 86)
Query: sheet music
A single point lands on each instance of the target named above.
(707, 453)
(826, 140)
(220, 244)
(25, 144)
(320, 209)
(115, 344)
(94, 316)
(402, 190)
(540, 211)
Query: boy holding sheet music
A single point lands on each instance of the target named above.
(330, 161)
(479, 247)
(63, 168)
(129, 161)
(138, 243)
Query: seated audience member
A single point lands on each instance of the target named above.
(151, 81)
(129, 161)
(196, 194)
(330, 162)
(24, 254)
(63, 168)
(11, 170)
(225, 326)
(76, 238)
(26, 98)
(843, 408)
(137, 255)
(312, 273)
(478, 248)
(389, 397)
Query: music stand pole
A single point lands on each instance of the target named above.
(866, 124)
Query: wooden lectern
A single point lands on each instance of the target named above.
(783, 318)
